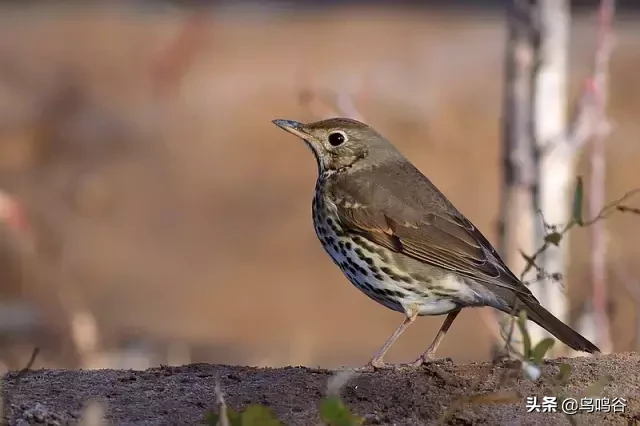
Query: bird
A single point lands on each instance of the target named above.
(399, 240)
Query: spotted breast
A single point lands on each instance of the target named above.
(371, 268)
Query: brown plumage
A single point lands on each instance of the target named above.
(373, 195)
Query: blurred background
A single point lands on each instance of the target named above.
(154, 215)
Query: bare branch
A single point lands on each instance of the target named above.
(612, 207)
(516, 229)
(588, 118)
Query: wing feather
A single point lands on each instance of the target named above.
(441, 237)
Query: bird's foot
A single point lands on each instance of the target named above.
(428, 358)
(422, 360)
(378, 365)
(375, 365)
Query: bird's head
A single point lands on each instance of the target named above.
(340, 143)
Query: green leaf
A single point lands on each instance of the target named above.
(211, 418)
(578, 194)
(541, 349)
(563, 374)
(334, 413)
(259, 415)
(526, 339)
(553, 238)
(235, 419)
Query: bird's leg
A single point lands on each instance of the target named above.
(428, 355)
(376, 362)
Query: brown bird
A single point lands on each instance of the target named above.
(400, 241)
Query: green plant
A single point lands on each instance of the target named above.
(532, 357)
(253, 415)
(333, 411)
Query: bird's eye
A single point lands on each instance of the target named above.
(336, 138)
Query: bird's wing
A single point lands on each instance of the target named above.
(409, 224)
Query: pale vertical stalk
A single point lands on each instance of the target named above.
(517, 212)
(555, 171)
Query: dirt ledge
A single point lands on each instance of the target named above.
(180, 395)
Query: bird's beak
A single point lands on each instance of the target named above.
(293, 127)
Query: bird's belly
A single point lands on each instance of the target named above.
(372, 270)
(382, 291)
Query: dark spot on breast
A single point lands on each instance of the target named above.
(378, 277)
(348, 245)
(386, 270)
(365, 286)
(376, 290)
(343, 250)
(394, 276)
(357, 267)
(392, 293)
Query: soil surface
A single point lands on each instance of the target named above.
(181, 395)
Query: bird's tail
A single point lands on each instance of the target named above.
(546, 320)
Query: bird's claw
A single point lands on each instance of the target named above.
(374, 366)
(377, 365)
(423, 359)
